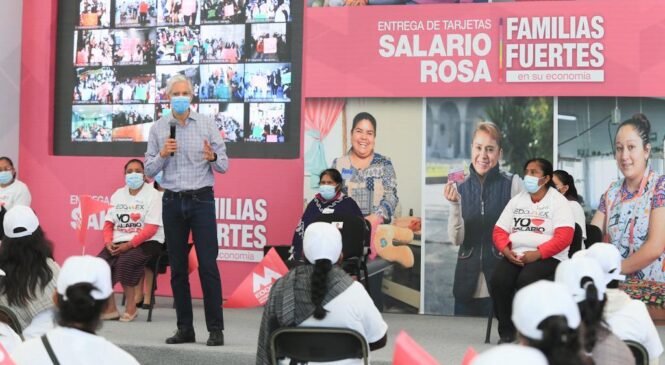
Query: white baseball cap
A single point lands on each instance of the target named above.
(538, 301)
(608, 257)
(571, 272)
(20, 221)
(86, 269)
(322, 241)
(510, 354)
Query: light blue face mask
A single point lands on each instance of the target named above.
(158, 177)
(6, 177)
(134, 180)
(531, 183)
(180, 104)
(327, 191)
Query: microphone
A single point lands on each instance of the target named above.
(172, 135)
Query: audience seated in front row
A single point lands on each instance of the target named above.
(547, 318)
(586, 281)
(320, 294)
(627, 318)
(83, 289)
(26, 258)
(510, 354)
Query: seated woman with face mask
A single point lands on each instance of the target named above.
(329, 200)
(133, 233)
(533, 233)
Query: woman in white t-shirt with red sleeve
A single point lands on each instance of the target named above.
(533, 233)
(12, 191)
(133, 233)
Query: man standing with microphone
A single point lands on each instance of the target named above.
(187, 147)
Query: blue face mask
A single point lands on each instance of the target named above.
(134, 180)
(158, 177)
(531, 183)
(180, 104)
(6, 177)
(327, 191)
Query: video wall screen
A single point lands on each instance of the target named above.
(243, 58)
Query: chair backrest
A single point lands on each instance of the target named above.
(593, 235)
(355, 232)
(2, 219)
(639, 352)
(576, 245)
(11, 319)
(320, 344)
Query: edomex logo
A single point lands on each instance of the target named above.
(261, 284)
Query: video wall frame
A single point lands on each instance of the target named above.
(243, 57)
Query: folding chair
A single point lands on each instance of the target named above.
(161, 263)
(488, 331)
(576, 245)
(2, 219)
(593, 235)
(639, 352)
(10, 318)
(356, 236)
(320, 344)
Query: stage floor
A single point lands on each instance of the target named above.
(446, 338)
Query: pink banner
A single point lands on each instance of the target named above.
(504, 49)
(250, 211)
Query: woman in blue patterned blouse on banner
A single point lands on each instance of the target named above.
(632, 210)
(368, 176)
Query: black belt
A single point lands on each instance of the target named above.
(188, 194)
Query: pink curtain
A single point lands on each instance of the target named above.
(321, 114)
(320, 117)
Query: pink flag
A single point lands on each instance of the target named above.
(255, 288)
(89, 206)
(408, 352)
(5, 359)
(469, 355)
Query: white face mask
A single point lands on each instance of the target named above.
(327, 191)
(531, 183)
(134, 180)
(6, 177)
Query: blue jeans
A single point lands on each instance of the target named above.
(180, 214)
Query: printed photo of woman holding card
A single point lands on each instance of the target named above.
(477, 201)
(474, 151)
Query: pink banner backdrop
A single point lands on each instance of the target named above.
(473, 50)
(269, 192)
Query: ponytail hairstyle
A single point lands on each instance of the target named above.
(80, 310)
(567, 179)
(320, 286)
(560, 344)
(642, 127)
(591, 310)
